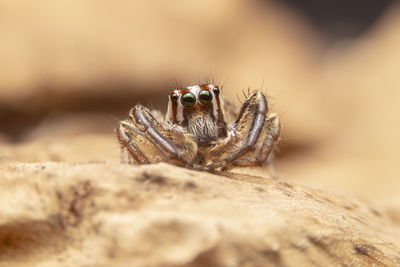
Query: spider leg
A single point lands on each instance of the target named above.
(264, 147)
(128, 147)
(251, 126)
(173, 146)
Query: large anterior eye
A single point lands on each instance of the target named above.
(205, 97)
(188, 100)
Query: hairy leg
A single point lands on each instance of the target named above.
(148, 141)
(130, 141)
(264, 147)
(251, 126)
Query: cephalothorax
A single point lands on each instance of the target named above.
(201, 130)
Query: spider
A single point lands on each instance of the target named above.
(201, 130)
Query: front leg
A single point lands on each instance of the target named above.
(135, 148)
(249, 136)
(264, 147)
(148, 141)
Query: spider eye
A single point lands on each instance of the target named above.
(174, 98)
(205, 97)
(216, 90)
(188, 100)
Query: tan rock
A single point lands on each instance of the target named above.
(108, 214)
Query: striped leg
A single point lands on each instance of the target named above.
(147, 141)
(252, 137)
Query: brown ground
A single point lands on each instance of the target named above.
(110, 214)
(72, 70)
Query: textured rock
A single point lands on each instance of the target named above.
(110, 214)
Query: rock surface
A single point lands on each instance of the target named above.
(109, 214)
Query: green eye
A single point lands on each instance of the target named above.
(188, 100)
(205, 97)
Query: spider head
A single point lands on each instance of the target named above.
(195, 100)
(198, 109)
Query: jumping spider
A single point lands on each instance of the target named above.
(195, 132)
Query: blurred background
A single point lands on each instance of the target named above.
(70, 70)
